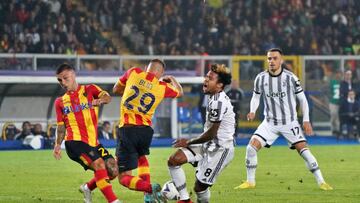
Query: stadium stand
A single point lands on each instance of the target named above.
(106, 31)
(180, 27)
(234, 27)
(51, 27)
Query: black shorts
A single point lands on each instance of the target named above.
(85, 154)
(133, 142)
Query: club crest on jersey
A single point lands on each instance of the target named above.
(214, 112)
(276, 94)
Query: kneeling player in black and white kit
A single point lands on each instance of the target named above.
(279, 88)
(214, 149)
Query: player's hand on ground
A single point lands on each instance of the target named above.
(57, 152)
(250, 116)
(182, 142)
(97, 102)
(308, 128)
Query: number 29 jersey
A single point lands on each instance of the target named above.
(143, 93)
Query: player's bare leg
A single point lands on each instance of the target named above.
(202, 192)
(251, 163)
(312, 164)
(112, 168)
(178, 175)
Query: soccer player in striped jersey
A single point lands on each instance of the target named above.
(279, 89)
(77, 120)
(213, 150)
(142, 91)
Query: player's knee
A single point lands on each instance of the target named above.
(301, 146)
(175, 160)
(203, 196)
(98, 164)
(257, 142)
(172, 161)
(112, 168)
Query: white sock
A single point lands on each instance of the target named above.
(86, 187)
(251, 163)
(179, 180)
(312, 165)
(203, 196)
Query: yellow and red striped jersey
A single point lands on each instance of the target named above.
(142, 94)
(75, 111)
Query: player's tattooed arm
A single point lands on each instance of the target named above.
(60, 135)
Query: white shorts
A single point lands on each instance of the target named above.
(267, 133)
(211, 161)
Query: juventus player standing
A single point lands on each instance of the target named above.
(213, 150)
(280, 88)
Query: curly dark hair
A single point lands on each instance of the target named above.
(224, 74)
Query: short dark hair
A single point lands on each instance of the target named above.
(224, 74)
(106, 123)
(63, 67)
(158, 61)
(25, 122)
(275, 50)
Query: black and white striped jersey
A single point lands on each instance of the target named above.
(279, 95)
(221, 110)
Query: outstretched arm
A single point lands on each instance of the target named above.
(206, 136)
(60, 135)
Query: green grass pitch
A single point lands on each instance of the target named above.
(35, 176)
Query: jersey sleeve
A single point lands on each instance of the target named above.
(296, 84)
(257, 88)
(217, 110)
(96, 91)
(170, 91)
(59, 112)
(122, 80)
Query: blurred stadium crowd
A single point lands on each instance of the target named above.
(50, 26)
(175, 27)
(28, 131)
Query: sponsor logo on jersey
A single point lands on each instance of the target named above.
(77, 108)
(276, 94)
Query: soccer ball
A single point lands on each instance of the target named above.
(169, 191)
